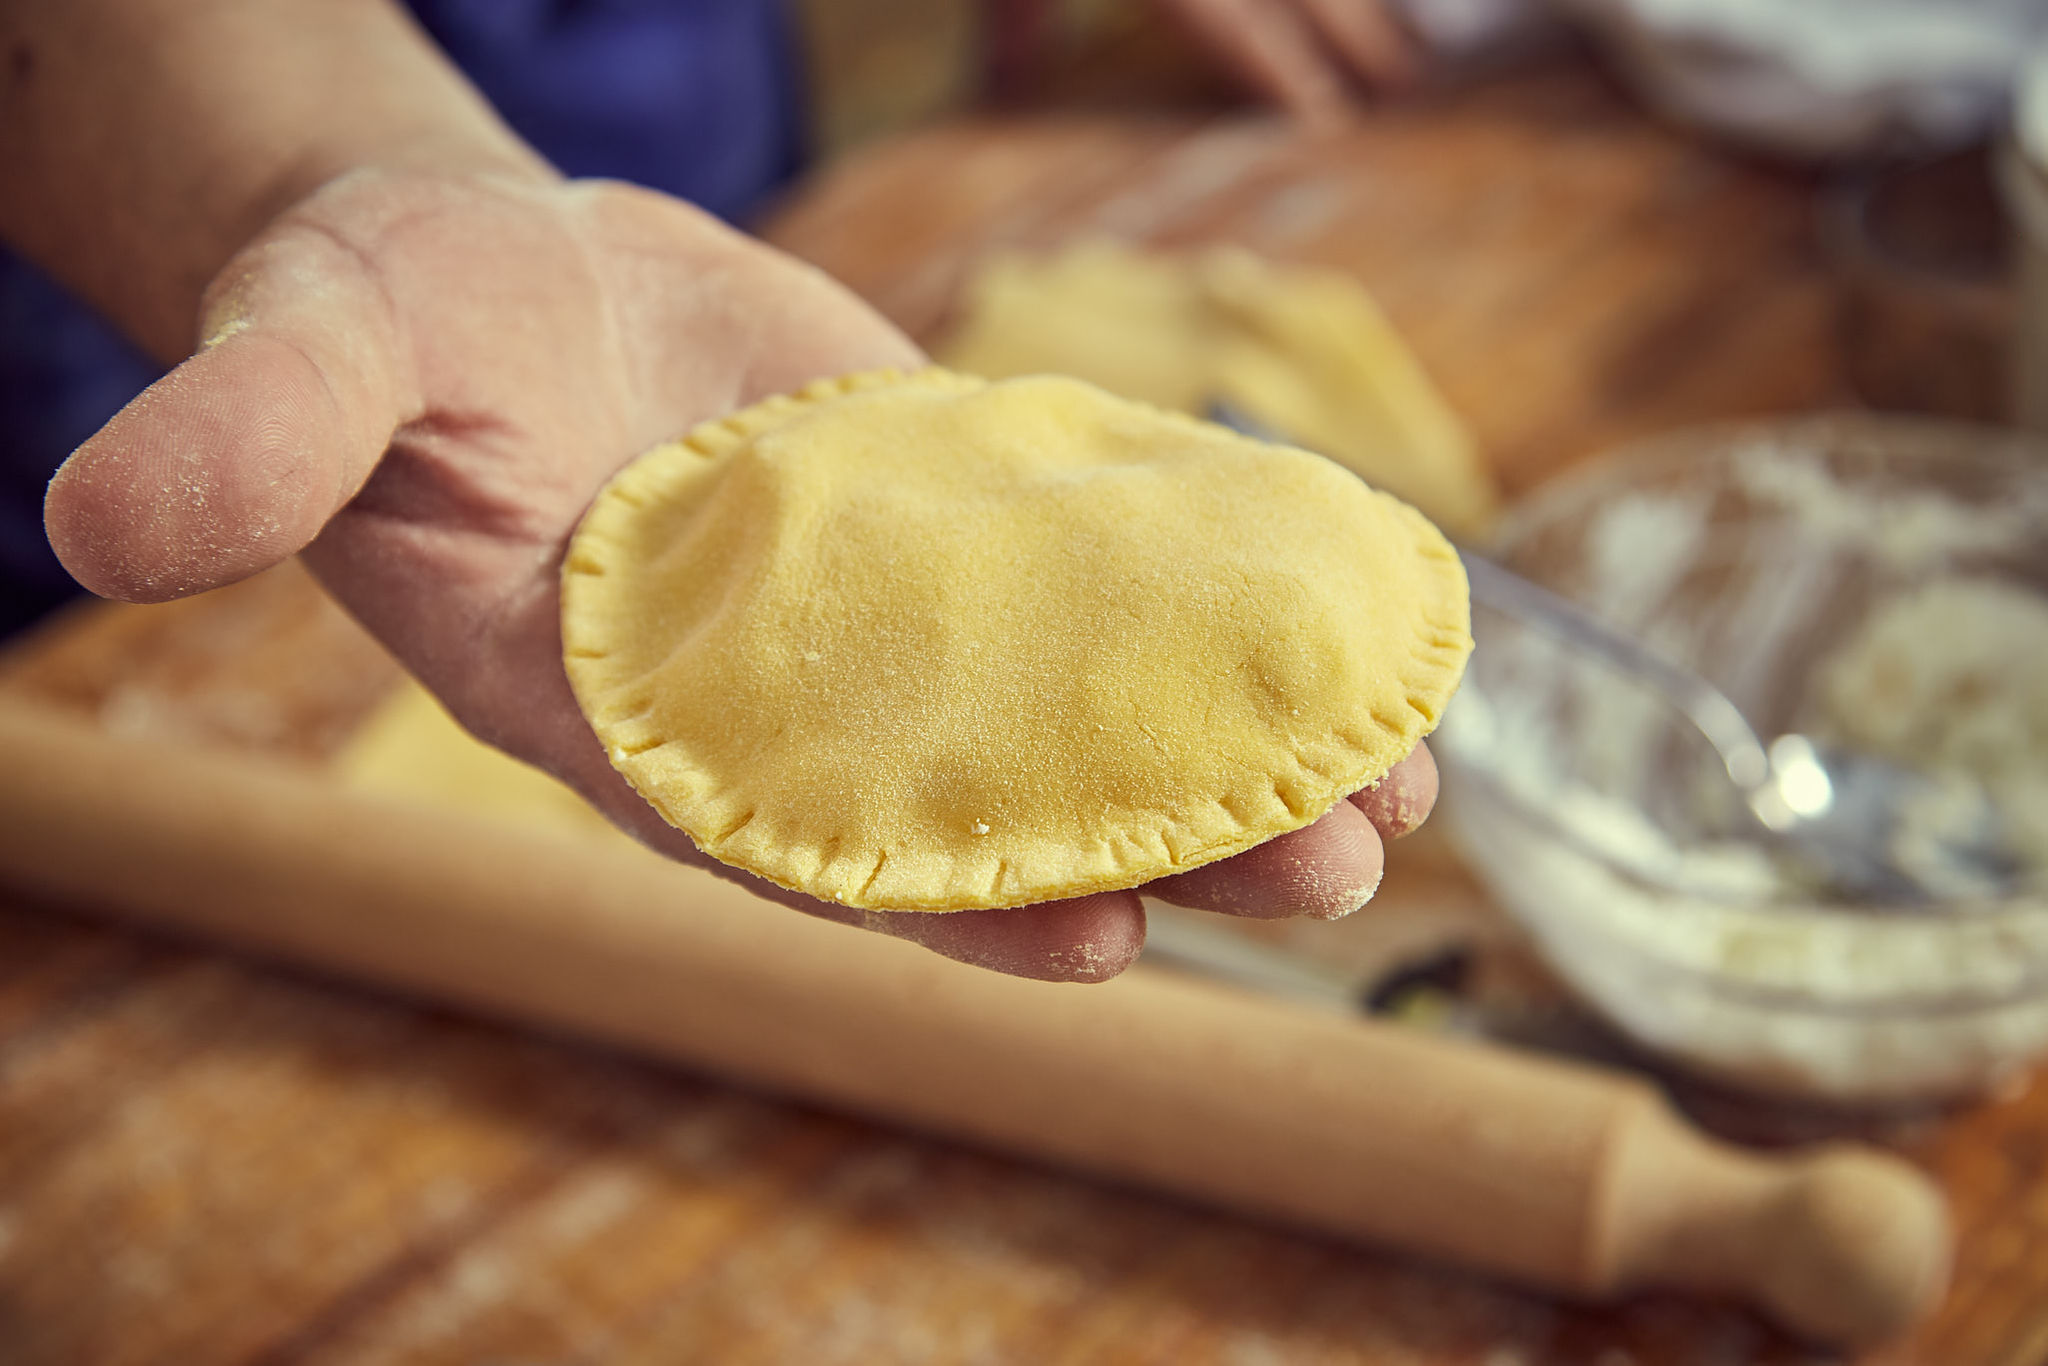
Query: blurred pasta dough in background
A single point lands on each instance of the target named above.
(413, 750)
(1301, 350)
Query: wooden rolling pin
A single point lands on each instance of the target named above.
(1559, 1176)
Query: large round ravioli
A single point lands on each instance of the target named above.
(924, 642)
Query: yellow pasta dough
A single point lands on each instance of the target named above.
(925, 642)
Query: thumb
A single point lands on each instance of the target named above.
(237, 458)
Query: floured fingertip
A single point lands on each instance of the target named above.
(1086, 939)
(1340, 902)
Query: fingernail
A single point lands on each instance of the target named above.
(223, 332)
(228, 315)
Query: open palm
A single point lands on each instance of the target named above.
(421, 382)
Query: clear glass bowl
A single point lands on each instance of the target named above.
(1600, 820)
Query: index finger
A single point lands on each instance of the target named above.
(1270, 47)
(1369, 39)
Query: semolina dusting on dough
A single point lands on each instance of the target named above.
(924, 642)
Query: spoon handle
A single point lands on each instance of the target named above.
(1706, 706)
(1493, 585)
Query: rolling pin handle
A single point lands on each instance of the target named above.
(1842, 1244)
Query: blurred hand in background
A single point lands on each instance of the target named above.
(1310, 56)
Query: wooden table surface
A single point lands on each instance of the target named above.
(209, 1160)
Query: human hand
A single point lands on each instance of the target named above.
(1302, 54)
(422, 381)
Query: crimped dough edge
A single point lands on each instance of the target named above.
(722, 817)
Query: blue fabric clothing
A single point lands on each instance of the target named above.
(63, 373)
(699, 98)
(696, 97)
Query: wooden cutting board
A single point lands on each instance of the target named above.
(205, 1160)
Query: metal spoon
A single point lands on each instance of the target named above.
(1859, 825)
